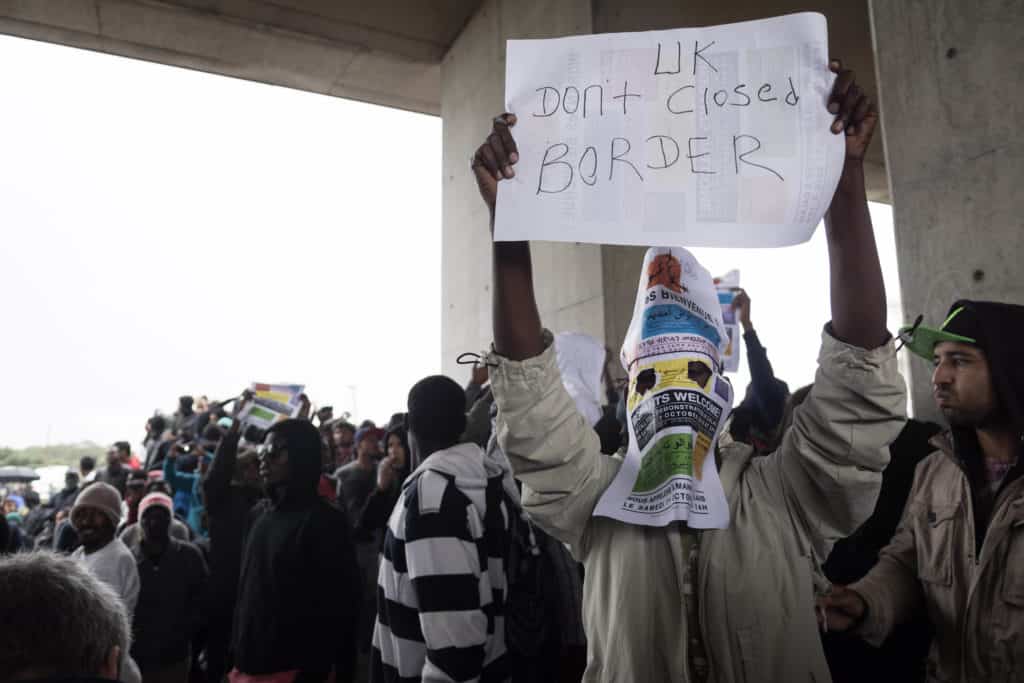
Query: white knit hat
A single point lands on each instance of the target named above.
(102, 497)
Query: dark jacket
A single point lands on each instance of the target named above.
(765, 402)
(64, 498)
(169, 610)
(227, 510)
(116, 476)
(298, 603)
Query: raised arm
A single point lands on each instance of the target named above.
(828, 469)
(858, 292)
(553, 450)
(517, 330)
(222, 469)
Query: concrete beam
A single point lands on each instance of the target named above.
(390, 58)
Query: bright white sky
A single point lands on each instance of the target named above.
(170, 232)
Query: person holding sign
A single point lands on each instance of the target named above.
(673, 603)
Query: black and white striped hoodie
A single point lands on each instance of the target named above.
(442, 584)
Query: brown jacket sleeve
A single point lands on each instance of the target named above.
(891, 589)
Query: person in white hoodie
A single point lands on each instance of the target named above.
(443, 580)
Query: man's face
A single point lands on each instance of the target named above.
(344, 441)
(962, 385)
(273, 460)
(70, 481)
(156, 523)
(112, 457)
(368, 447)
(93, 527)
(134, 492)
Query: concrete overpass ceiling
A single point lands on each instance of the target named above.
(386, 52)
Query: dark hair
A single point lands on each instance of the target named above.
(158, 424)
(213, 433)
(367, 424)
(87, 463)
(403, 438)
(253, 434)
(342, 423)
(123, 447)
(185, 401)
(437, 411)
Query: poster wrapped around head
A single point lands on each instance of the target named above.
(728, 286)
(272, 403)
(677, 401)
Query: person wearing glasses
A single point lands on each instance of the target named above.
(298, 601)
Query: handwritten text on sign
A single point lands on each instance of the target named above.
(715, 136)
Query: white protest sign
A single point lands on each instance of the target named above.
(715, 136)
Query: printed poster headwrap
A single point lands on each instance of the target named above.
(677, 399)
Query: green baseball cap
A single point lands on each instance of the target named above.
(960, 326)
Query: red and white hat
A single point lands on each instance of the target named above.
(156, 498)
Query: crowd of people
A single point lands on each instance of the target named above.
(458, 542)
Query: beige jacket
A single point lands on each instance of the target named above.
(756, 579)
(975, 601)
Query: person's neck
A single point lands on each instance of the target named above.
(365, 461)
(998, 445)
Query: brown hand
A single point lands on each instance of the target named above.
(855, 113)
(741, 306)
(385, 473)
(480, 375)
(842, 607)
(494, 159)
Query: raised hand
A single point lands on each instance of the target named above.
(855, 113)
(494, 159)
(741, 307)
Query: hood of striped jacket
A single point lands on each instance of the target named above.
(472, 467)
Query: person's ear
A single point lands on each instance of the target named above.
(111, 667)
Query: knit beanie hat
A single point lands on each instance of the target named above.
(103, 497)
(156, 499)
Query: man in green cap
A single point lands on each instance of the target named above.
(959, 550)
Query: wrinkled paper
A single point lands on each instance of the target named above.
(677, 400)
(714, 136)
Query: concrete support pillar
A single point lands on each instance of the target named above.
(568, 276)
(949, 74)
